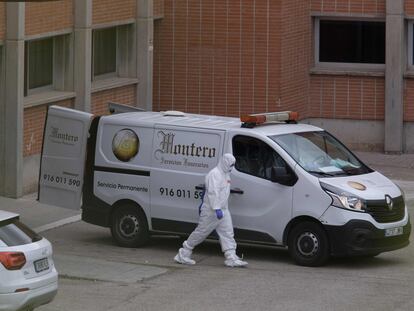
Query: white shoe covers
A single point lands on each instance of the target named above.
(232, 260)
(235, 263)
(184, 257)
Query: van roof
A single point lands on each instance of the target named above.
(203, 121)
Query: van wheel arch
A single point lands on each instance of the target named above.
(295, 221)
(308, 242)
(129, 224)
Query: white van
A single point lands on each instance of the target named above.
(294, 185)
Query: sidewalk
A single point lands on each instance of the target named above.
(42, 217)
(399, 168)
(39, 217)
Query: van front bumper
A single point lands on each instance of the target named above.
(359, 237)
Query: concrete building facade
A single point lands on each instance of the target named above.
(73, 53)
(345, 65)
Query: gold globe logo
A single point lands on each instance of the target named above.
(357, 185)
(125, 145)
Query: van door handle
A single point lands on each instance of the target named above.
(236, 190)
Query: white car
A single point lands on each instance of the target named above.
(28, 277)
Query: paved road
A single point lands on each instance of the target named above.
(97, 275)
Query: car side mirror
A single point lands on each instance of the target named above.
(284, 176)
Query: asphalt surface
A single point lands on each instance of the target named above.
(98, 275)
(95, 274)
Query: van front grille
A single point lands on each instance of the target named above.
(382, 213)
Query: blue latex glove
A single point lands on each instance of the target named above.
(219, 213)
(202, 201)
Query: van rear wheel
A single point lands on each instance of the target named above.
(129, 226)
(308, 244)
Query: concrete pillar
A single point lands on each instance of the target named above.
(83, 54)
(394, 70)
(2, 121)
(145, 47)
(11, 146)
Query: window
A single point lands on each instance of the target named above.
(112, 50)
(1, 63)
(15, 233)
(104, 51)
(1, 59)
(1, 72)
(341, 41)
(410, 58)
(255, 157)
(47, 64)
(39, 63)
(320, 154)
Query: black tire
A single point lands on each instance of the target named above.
(308, 244)
(129, 226)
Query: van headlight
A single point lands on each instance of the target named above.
(343, 199)
(402, 191)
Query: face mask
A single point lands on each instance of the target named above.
(230, 168)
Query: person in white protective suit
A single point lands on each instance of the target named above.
(214, 215)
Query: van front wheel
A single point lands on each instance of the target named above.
(308, 244)
(129, 226)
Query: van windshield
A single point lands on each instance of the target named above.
(321, 154)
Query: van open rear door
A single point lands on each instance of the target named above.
(63, 157)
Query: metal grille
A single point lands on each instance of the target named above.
(382, 213)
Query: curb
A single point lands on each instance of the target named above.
(57, 224)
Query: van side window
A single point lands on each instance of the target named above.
(254, 157)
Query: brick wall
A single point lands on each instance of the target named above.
(106, 11)
(34, 122)
(349, 6)
(409, 7)
(217, 57)
(2, 20)
(342, 97)
(409, 100)
(43, 17)
(296, 57)
(34, 118)
(347, 97)
(159, 8)
(123, 95)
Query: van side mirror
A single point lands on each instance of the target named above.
(284, 176)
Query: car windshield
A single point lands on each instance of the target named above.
(15, 233)
(321, 154)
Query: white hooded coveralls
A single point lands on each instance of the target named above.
(216, 197)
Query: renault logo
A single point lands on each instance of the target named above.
(389, 202)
